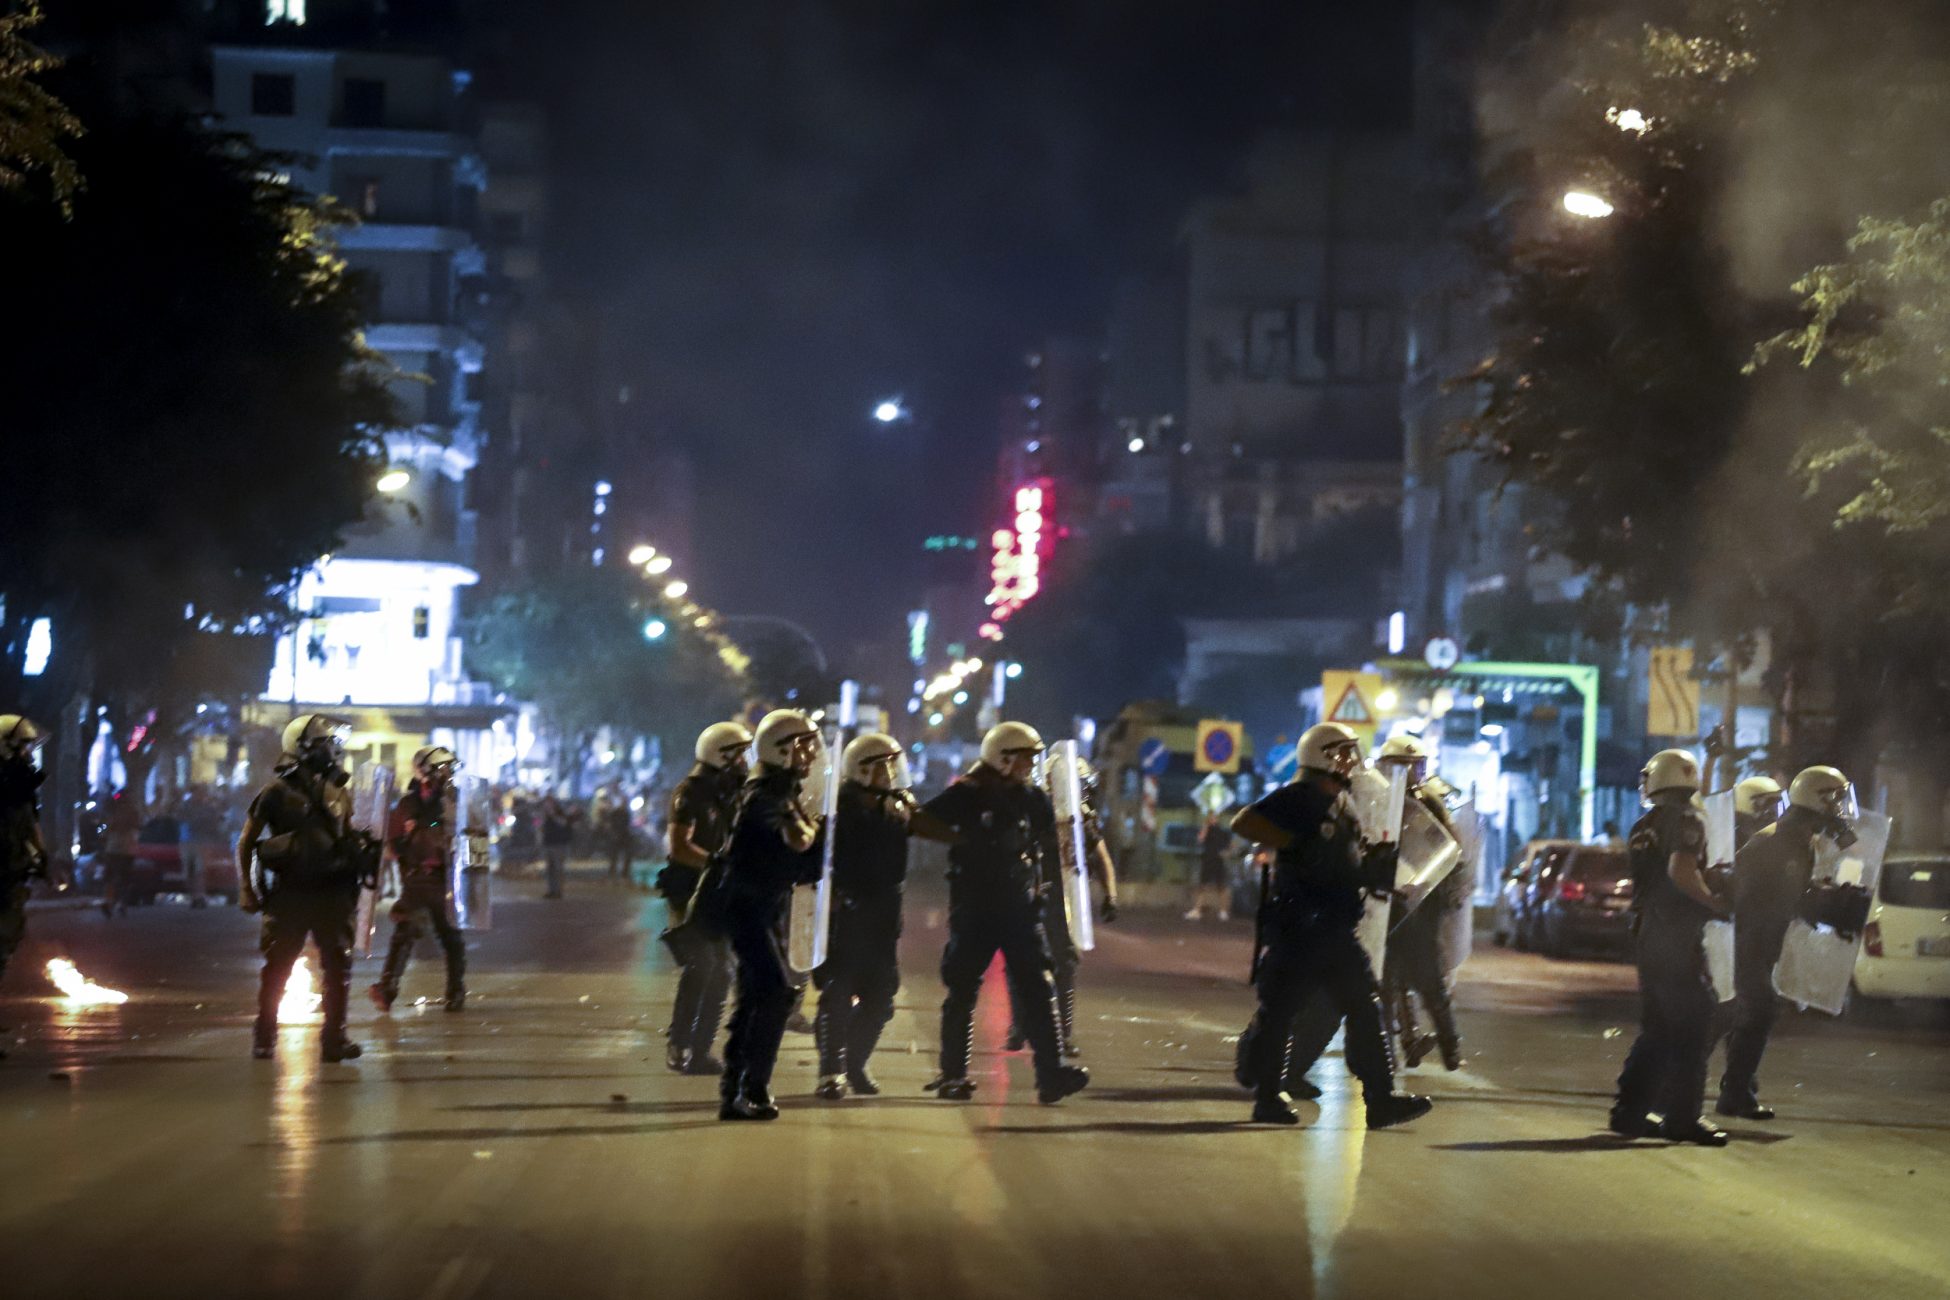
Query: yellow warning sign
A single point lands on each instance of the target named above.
(1349, 698)
(1218, 748)
(1672, 693)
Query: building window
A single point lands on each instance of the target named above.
(365, 102)
(368, 189)
(273, 94)
(422, 618)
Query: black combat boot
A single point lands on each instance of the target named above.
(1394, 1108)
(1061, 1082)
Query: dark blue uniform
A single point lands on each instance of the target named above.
(998, 869)
(1770, 874)
(1310, 947)
(705, 800)
(1665, 1072)
(760, 869)
(862, 974)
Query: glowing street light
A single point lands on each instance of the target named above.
(1583, 203)
(654, 630)
(658, 565)
(642, 553)
(676, 590)
(1628, 119)
(1134, 446)
(394, 480)
(1013, 670)
(890, 411)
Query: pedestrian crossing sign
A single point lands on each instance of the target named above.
(1348, 697)
(1352, 710)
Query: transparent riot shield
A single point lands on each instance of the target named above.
(1428, 854)
(1459, 936)
(812, 905)
(1718, 942)
(1066, 792)
(372, 810)
(473, 841)
(1818, 957)
(1719, 828)
(1378, 802)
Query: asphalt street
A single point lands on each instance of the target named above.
(534, 1145)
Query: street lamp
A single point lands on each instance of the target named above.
(393, 480)
(676, 590)
(658, 566)
(654, 630)
(1583, 203)
(890, 411)
(642, 553)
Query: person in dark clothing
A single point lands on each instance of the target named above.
(558, 827)
(1770, 874)
(1065, 956)
(619, 834)
(1321, 877)
(309, 887)
(1665, 1072)
(701, 809)
(421, 835)
(774, 845)
(1215, 845)
(861, 973)
(1415, 965)
(1001, 833)
(1756, 806)
(23, 854)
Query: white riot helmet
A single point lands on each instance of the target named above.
(1008, 739)
(1411, 752)
(1757, 796)
(18, 736)
(782, 732)
(1824, 790)
(435, 763)
(1669, 771)
(723, 744)
(316, 738)
(1330, 747)
(868, 755)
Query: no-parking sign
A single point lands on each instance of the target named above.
(1218, 747)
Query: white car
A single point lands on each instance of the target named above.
(1906, 945)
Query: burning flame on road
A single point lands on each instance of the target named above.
(301, 996)
(81, 990)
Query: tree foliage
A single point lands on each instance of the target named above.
(36, 128)
(574, 644)
(192, 412)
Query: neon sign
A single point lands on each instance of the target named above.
(1016, 567)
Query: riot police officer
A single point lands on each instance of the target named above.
(701, 809)
(420, 833)
(1064, 954)
(1000, 829)
(23, 855)
(1770, 874)
(311, 865)
(1665, 1072)
(1322, 874)
(861, 973)
(1415, 963)
(773, 846)
(1756, 806)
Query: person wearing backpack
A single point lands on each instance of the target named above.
(301, 864)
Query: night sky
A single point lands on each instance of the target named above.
(783, 212)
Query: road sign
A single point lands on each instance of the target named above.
(1153, 757)
(1672, 694)
(1283, 763)
(1219, 744)
(1213, 795)
(1441, 653)
(1349, 698)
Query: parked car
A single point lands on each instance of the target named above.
(162, 862)
(1509, 925)
(1906, 944)
(1586, 902)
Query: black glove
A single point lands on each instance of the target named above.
(1842, 908)
(1378, 867)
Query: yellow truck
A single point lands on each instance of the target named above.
(1148, 764)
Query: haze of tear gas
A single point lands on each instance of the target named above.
(1838, 117)
(784, 213)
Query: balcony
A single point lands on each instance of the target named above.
(389, 237)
